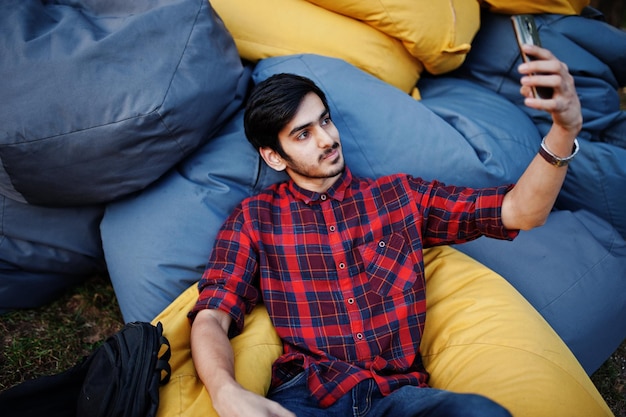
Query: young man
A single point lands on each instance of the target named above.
(337, 260)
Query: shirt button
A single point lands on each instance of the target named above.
(342, 265)
(350, 300)
(323, 197)
(381, 244)
(332, 228)
(359, 336)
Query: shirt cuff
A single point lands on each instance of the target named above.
(215, 298)
(489, 213)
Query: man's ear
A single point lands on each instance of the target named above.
(273, 159)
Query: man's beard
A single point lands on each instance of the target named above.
(308, 172)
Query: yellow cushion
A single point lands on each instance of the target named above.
(481, 336)
(534, 6)
(256, 348)
(268, 28)
(438, 33)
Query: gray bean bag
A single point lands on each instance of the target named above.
(157, 243)
(45, 250)
(100, 98)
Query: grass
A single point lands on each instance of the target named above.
(610, 380)
(51, 339)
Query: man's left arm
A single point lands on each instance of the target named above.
(529, 203)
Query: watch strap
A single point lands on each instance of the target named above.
(556, 160)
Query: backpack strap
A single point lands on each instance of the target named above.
(163, 361)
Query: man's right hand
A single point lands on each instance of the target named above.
(232, 400)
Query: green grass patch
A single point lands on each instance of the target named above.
(53, 338)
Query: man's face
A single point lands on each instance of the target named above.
(310, 141)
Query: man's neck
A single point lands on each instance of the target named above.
(316, 185)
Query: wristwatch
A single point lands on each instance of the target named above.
(552, 158)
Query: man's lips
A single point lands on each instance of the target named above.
(331, 154)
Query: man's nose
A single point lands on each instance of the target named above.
(324, 138)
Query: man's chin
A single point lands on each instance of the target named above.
(339, 169)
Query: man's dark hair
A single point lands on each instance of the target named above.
(272, 104)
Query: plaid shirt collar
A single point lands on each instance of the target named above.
(336, 192)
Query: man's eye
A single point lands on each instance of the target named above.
(326, 121)
(303, 135)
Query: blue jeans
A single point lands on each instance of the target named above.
(366, 400)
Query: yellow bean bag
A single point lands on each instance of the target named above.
(268, 28)
(438, 33)
(391, 39)
(481, 336)
(533, 6)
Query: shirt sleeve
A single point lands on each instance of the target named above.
(459, 214)
(228, 280)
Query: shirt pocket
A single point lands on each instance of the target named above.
(388, 265)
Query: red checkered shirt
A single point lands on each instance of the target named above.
(342, 274)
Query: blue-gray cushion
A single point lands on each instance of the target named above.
(170, 226)
(45, 250)
(158, 242)
(100, 98)
(459, 133)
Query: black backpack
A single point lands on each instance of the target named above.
(120, 378)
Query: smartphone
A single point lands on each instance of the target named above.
(526, 33)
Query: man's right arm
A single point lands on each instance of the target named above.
(213, 359)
